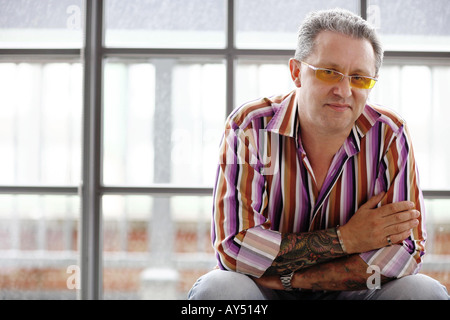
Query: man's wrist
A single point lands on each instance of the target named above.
(341, 241)
(344, 240)
(286, 281)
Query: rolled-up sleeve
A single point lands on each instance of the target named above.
(241, 232)
(398, 176)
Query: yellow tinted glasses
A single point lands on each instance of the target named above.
(333, 76)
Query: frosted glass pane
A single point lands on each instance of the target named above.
(163, 122)
(143, 235)
(40, 123)
(41, 24)
(38, 246)
(411, 25)
(169, 23)
(256, 79)
(273, 24)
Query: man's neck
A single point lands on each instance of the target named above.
(320, 149)
(318, 141)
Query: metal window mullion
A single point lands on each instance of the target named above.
(38, 54)
(230, 57)
(363, 9)
(162, 190)
(90, 221)
(145, 53)
(51, 190)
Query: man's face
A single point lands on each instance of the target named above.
(333, 108)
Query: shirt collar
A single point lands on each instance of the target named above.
(285, 122)
(366, 120)
(285, 118)
(363, 124)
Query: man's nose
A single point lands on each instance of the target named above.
(343, 88)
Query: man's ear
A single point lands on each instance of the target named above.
(294, 67)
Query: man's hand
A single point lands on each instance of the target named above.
(370, 226)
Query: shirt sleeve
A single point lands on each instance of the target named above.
(398, 176)
(241, 232)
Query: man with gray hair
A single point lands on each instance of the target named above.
(317, 193)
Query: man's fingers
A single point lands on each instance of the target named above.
(372, 202)
(400, 228)
(396, 207)
(401, 216)
(398, 238)
(400, 223)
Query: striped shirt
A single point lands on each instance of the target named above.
(265, 185)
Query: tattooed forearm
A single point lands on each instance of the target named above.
(348, 273)
(302, 250)
(319, 263)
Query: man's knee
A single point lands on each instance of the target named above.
(225, 285)
(415, 287)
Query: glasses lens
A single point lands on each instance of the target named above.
(362, 82)
(328, 75)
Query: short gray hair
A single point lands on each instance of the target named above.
(337, 20)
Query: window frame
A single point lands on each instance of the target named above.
(91, 190)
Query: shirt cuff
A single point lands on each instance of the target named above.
(259, 248)
(394, 261)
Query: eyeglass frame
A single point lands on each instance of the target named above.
(340, 73)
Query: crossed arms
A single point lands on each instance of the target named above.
(319, 260)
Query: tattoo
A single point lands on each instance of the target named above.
(347, 273)
(355, 284)
(302, 250)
